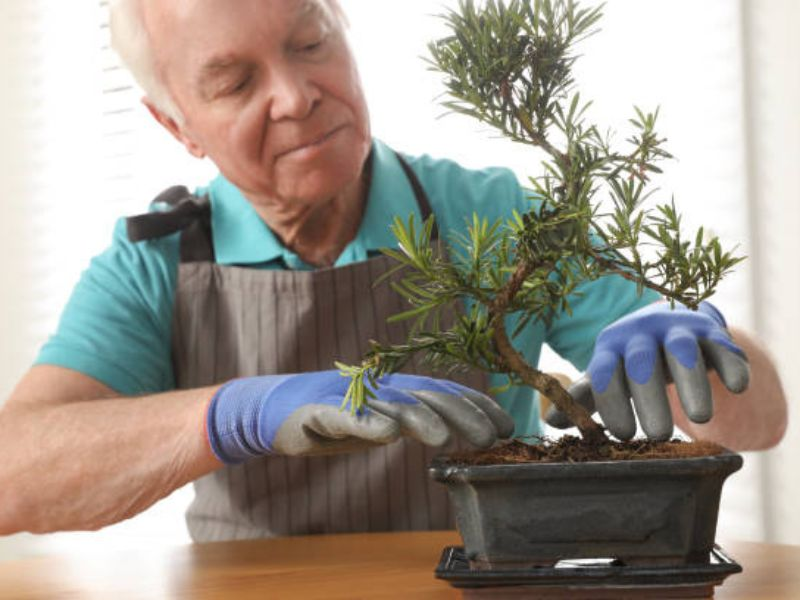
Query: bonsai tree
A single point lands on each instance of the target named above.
(509, 65)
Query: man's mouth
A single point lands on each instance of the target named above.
(311, 145)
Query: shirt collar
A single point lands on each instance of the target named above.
(242, 238)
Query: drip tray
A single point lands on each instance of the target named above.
(587, 579)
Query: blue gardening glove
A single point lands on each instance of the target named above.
(300, 415)
(638, 355)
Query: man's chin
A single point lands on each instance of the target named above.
(317, 188)
(322, 181)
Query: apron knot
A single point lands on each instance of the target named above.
(189, 213)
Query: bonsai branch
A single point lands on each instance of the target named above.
(613, 268)
(539, 138)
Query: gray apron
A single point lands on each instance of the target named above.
(236, 322)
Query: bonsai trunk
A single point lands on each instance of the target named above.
(590, 430)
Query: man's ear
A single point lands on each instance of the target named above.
(174, 128)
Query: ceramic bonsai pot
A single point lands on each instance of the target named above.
(640, 512)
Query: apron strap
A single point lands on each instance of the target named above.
(192, 215)
(419, 193)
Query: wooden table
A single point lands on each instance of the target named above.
(393, 565)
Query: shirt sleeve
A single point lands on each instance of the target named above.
(116, 326)
(598, 304)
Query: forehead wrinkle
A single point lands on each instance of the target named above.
(218, 65)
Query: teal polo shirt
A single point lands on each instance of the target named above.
(117, 324)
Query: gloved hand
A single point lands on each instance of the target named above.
(300, 415)
(638, 355)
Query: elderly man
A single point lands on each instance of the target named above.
(198, 347)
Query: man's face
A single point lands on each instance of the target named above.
(268, 89)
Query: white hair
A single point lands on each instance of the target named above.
(131, 41)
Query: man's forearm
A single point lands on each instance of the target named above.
(88, 464)
(753, 420)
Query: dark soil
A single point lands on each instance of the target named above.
(574, 449)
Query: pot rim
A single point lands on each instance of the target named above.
(726, 462)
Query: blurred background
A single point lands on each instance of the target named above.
(77, 151)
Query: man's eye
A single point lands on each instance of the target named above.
(312, 46)
(239, 86)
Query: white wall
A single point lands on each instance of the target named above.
(774, 163)
(18, 288)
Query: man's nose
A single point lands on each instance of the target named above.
(293, 94)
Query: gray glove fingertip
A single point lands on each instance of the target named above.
(503, 422)
(693, 388)
(614, 405)
(416, 421)
(581, 392)
(733, 369)
(557, 419)
(652, 405)
(461, 415)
